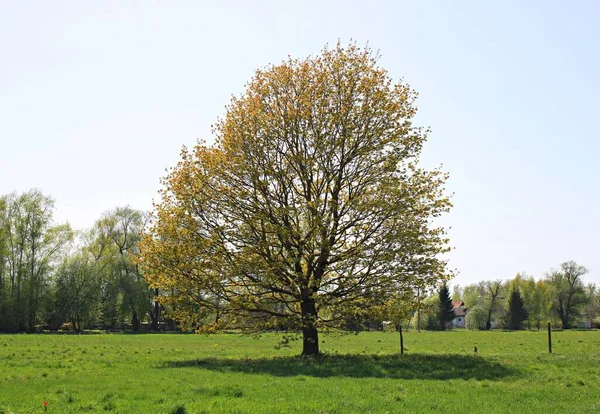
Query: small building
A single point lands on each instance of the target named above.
(584, 325)
(458, 306)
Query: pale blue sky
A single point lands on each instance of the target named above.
(97, 98)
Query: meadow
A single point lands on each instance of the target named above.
(170, 373)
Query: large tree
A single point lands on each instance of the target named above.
(493, 291)
(113, 241)
(569, 291)
(29, 251)
(543, 306)
(98, 284)
(77, 284)
(309, 206)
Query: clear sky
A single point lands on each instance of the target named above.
(97, 98)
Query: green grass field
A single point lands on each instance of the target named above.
(512, 372)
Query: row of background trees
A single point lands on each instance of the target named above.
(52, 276)
(560, 297)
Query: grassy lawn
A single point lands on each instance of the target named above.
(512, 372)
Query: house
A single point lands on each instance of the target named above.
(458, 306)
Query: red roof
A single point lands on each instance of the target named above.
(459, 308)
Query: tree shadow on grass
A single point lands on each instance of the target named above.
(417, 366)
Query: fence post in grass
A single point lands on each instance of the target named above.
(418, 311)
(401, 340)
(549, 337)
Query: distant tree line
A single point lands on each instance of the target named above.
(53, 277)
(560, 297)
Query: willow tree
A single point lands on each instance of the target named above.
(309, 207)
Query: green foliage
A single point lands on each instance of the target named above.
(310, 208)
(430, 306)
(476, 318)
(46, 282)
(77, 283)
(114, 242)
(537, 298)
(569, 294)
(516, 313)
(473, 297)
(591, 310)
(484, 303)
(29, 248)
(445, 311)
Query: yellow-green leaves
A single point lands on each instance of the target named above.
(310, 196)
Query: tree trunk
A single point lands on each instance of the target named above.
(310, 336)
(170, 324)
(135, 322)
(565, 321)
(31, 323)
(563, 314)
(401, 340)
(153, 320)
(418, 310)
(488, 322)
(156, 314)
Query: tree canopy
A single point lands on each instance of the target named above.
(570, 294)
(309, 206)
(29, 247)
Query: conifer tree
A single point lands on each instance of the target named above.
(446, 312)
(516, 313)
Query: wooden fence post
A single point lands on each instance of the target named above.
(549, 337)
(401, 341)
